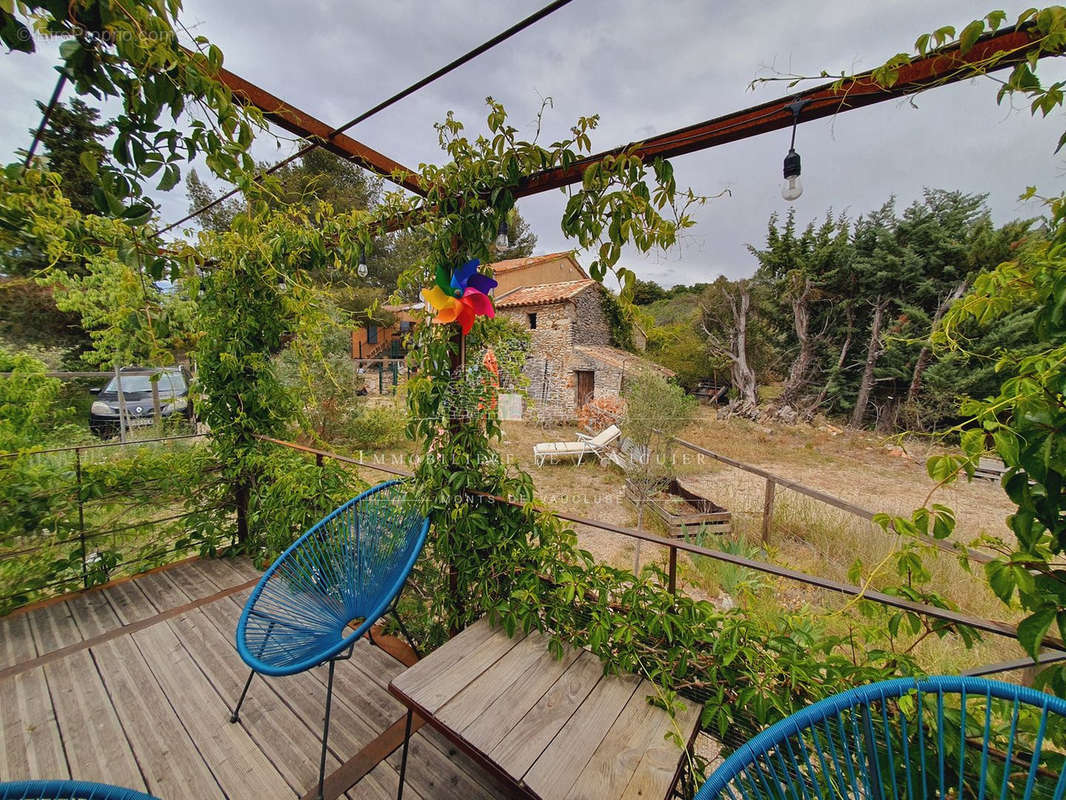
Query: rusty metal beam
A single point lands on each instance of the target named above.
(298, 122)
(937, 68)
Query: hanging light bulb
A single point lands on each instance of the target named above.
(362, 270)
(793, 186)
(501, 236)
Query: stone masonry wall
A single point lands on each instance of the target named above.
(590, 323)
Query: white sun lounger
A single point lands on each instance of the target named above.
(555, 451)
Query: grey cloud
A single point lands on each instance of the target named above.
(644, 67)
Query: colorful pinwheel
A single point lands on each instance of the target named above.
(462, 296)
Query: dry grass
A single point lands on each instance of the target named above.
(807, 535)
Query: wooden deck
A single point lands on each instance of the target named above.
(131, 683)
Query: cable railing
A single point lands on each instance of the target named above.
(1055, 648)
(75, 517)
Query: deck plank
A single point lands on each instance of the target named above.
(470, 704)
(554, 773)
(465, 662)
(92, 735)
(375, 708)
(282, 736)
(219, 571)
(130, 603)
(191, 580)
(658, 765)
(93, 613)
(524, 743)
(161, 592)
(31, 747)
(173, 767)
(434, 774)
(16, 640)
(53, 627)
(236, 761)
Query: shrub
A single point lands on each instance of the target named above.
(377, 427)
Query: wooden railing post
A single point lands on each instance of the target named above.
(672, 572)
(768, 510)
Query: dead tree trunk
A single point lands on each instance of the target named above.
(873, 352)
(801, 365)
(736, 350)
(926, 355)
(747, 401)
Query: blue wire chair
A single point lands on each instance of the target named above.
(347, 570)
(67, 790)
(905, 739)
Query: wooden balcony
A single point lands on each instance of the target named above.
(131, 684)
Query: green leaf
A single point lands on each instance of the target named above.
(1032, 629)
(970, 34)
(88, 160)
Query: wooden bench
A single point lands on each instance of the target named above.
(550, 729)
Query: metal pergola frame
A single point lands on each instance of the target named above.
(940, 67)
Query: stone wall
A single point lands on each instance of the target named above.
(590, 323)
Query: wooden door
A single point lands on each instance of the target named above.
(586, 386)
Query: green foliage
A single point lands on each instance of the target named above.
(1025, 420)
(291, 494)
(126, 509)
(619, 320)
(129, 51)
(71, 140)
(377, 427)
(28, 403)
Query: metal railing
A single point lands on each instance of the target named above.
(62, 530)
(1056, 647)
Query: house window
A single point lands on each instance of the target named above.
(532, 321)
(371, 334)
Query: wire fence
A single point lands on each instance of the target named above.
(76, 517)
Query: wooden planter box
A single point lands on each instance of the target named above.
(685, 512)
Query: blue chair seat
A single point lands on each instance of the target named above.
(67, 790)
(348, 568)
(326, 590)
(938, 737)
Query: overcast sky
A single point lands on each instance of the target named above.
(645, 68)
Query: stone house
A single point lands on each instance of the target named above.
(571, 359)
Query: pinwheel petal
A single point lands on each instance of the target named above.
(483, 283)
(437, 298)
(444, 281)
(465, 316)
(478, 302)
(462, 275)
(449, 314)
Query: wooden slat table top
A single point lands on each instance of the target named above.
(556, 729)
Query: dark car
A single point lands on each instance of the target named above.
(173, 385)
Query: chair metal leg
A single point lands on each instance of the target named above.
(235, 715)
(403, 630)
(403, 758)
(325, 729)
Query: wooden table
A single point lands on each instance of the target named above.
(551, 729)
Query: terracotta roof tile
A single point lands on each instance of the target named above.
(542, 293)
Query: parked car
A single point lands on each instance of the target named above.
(173, 385)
